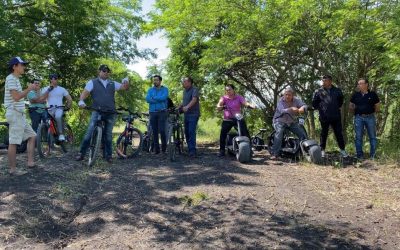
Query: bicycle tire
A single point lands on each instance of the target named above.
(95, 141)
(180, 139)
(43, 141)
(172, 145)
(69, 139)
(129, 144)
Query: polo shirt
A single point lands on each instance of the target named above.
(365, 103)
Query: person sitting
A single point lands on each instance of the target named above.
(287, 108)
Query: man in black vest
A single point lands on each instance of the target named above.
(329, 100)
(102, 90)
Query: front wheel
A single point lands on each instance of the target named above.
(244, 153)
(315, 154)
(95, 141)
(129, 144)
(43, 140)
(172, 145)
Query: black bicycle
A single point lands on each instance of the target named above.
(148, 139)
(130, 141)
(47, 135)
(21, 148)
(175, 134)
(97, 135)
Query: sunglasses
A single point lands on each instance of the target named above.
(106, 70)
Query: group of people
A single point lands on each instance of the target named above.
(328, 100)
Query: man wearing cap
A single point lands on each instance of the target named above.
(19, 129)
(287, 108)
(364, 104)
(102, 91)
(328, 100)
(37, 104)
(55, 102)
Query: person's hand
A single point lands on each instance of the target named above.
(50, 88)
(294, 110)
(81, 104)
(185, 109)
(31, 86)
(252, 106)
(219, 108)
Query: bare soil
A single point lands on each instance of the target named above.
(202, 203)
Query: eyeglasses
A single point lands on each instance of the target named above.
(105, 70)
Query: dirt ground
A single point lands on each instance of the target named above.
(203, 203)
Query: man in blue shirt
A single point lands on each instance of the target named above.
(157, 97)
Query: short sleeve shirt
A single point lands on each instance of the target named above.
(188, 95)
(365, 104)
(280, 114)
(13, 83)
(32, 95)
(233, 106)
(56, 96)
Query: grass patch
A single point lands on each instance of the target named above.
(194, 200)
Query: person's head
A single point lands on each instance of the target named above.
(230, 89)
(288, 94)
(362, 84)
(17, 66)
(104, 72)
(157, 79)
(326, 81)
(187, 82)
(54, 79)
(36, 83)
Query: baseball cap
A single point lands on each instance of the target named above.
(53, 76)
(16, 60)
(327, 77)
(104, 67)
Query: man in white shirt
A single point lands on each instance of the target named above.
(14, 101)
(55, 100)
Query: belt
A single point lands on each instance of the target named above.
(366, 115)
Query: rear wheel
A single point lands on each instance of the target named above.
(43, 140)
(315, 154)
(95, 141)
(129, 144)
(172, 145)
(69, 139)
(244, 153)
(180, 140)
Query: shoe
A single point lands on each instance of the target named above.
(274, 157)
(221, 154)
(109, 160)
(344, 153)
(61, 138)
(323, 153)
(192, 155)
(79, 157)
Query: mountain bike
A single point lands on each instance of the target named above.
(47, 135)
(130, 141)
(97, 134)
(175, 134)
(148, 141)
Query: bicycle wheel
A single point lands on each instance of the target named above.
(172, 145)
(95, 141)
(43, 140)
(129, 144)
(69, 139)
(179, 139)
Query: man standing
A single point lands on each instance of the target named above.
(329, 100)
(157, 97)
(19, 129)
(364, 104)
(55, 101)
(102, 90)
(37, 104)
(191, 109)
(287, 108)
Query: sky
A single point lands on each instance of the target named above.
(155, 41)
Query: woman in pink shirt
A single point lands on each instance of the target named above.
(231, 104)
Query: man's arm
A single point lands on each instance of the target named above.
(316, 100)
(40, 99)
(69, 101)
(85, 93)
(190, 104)
(17, 95)
(163, 96)
(220, 104)
(377, 107)
(149, 97)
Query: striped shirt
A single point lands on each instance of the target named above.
(12, 83)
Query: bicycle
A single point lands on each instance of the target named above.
(97, 134)
(175, 134)
(130, 141)
(21, 148)
(47, 135)
(148, 141)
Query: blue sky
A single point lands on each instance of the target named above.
(155, 41)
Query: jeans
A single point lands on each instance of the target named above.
(337, 130)
(158, 122)
(58, 113)
(280, 129)
(36, 118)
(190, 123)
(109, 120)
(368, 122)
(226, 126)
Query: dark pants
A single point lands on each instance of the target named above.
(190, 131)
(226, 126)
(109, 120)
(158, 122)
(337, 130)
(36, 118)
(280, 129)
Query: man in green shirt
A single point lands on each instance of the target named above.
(37, 104)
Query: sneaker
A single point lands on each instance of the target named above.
(323, 153)
(221, 154)
(61, 138)
(79, 157)
(344, 153)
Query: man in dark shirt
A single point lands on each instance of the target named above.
(328, 100)
(191, 108)
(364, 104)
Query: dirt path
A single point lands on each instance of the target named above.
(203, 203)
